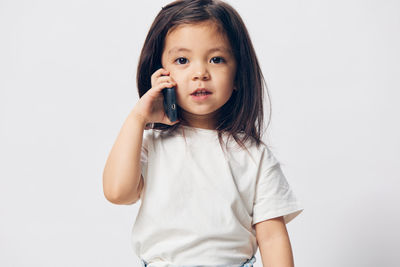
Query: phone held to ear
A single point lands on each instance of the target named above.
(170, 103)
(170, 107)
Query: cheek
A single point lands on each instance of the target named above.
(180, 100)
(179, 93)
(227, 74)
(227, 82)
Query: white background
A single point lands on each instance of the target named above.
(67, 79)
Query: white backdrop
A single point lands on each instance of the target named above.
(67, 79)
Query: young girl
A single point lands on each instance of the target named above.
(211, 191)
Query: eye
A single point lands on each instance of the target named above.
(183, 60)
(218, 59)
(179, 59)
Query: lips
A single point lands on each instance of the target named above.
(200, 90)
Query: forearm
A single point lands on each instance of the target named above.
(122, 171)
(277, 251)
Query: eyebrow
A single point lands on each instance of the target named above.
(178, 49)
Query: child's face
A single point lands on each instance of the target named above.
(200, 68)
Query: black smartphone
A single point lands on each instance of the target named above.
(170, 107)
(170, 103)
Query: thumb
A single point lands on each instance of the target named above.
(173, 123)
(169, 122)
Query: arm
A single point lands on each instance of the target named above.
(273, 241)
(122, 180)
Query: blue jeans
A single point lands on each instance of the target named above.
(247, 263)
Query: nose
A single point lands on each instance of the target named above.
(200, 72)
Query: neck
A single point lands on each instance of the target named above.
(206, 121)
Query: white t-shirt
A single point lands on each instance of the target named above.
(198, 205)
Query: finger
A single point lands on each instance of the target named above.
(157, 74)
(164, 85)
(167, 74)
(169, 122)
(155, 91)
(172, 80)
(165, 79)
(160, 72)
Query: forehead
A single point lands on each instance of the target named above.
(196, 36)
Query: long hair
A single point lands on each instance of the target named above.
(241, 117)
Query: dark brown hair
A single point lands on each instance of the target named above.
(243, 113)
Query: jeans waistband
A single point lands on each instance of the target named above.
(247, 263)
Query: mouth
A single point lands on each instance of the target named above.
(201, 92)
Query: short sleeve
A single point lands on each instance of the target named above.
(274, 196)
(144, 154)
